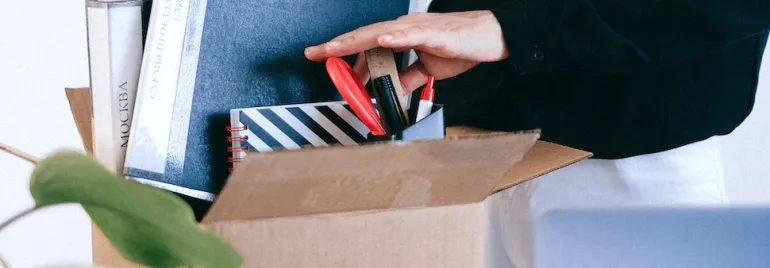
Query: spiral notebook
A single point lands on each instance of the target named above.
(292, 127)
(289, 127)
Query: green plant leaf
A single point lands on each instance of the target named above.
(146, 225)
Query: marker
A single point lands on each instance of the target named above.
(381, 62)
(426, 99)
(388, 103)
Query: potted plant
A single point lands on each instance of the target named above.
(148, 226)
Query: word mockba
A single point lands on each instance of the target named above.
(124, 113)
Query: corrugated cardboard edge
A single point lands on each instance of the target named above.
(80, 103)
(542, 159)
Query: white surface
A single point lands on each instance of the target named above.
(686, 176)
(43, 49)
(746, 151)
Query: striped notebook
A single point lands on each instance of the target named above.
(264, 129)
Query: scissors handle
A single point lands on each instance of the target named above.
(352, 90)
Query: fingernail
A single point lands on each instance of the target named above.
(387, 37)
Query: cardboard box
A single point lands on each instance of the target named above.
(401, 204)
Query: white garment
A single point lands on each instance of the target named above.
(689, 175)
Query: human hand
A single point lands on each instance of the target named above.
(447, 44)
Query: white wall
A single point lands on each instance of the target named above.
(746, 152)
(43, 49)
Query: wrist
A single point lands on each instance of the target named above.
(491, 21)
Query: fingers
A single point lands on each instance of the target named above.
(443, 68)
(339, 48)
(364, 38)
(359, 40)
(359, 30)
(361, 68)
(402, 22)
(417, 74)
(413, 77)
(421, 37)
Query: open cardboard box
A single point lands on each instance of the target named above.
(403, 204)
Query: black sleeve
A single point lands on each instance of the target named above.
(616, 34)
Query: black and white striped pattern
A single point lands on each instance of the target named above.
(296, 126)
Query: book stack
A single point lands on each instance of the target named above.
(167, 76)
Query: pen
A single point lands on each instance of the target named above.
(391, 114)
(426, 99)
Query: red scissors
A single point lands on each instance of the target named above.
(352, 90)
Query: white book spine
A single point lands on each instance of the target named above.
(115, 56)
(158, 81)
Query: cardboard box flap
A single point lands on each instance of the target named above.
(455, 170)
(543, 158)
(80, 105)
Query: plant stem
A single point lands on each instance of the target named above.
(24, 213)
(21, 215)
(4, 263)
(19, 153)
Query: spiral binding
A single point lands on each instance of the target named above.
(238, 138)
(232, 129)
(231, 149)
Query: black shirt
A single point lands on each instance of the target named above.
(618, 78)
